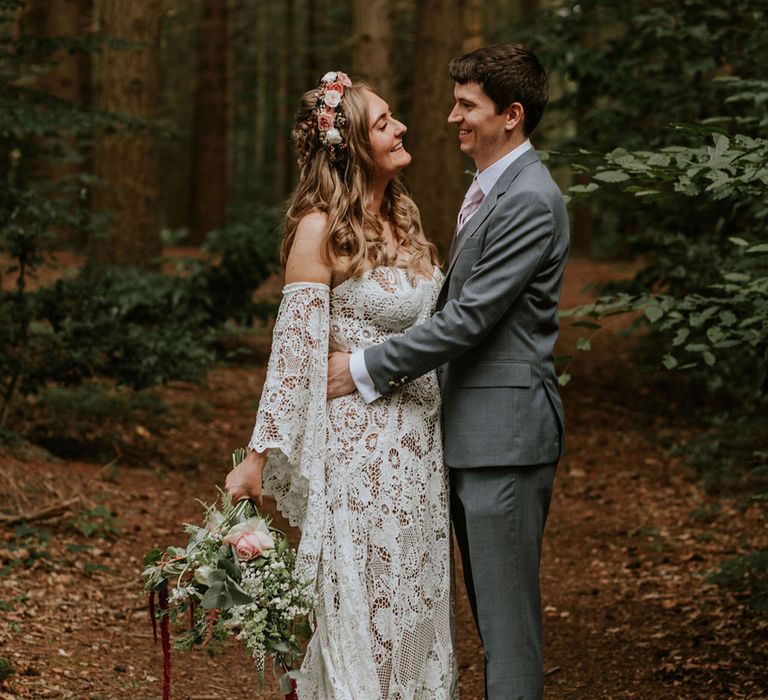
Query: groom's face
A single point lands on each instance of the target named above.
(482, 132)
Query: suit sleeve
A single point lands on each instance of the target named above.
(519, 240)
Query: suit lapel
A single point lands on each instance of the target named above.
(489, 202)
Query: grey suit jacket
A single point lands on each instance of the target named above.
(492, 335)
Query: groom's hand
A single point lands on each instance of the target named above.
(340, 382)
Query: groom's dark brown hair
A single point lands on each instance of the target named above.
(507, 73)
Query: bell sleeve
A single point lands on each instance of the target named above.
(291, 419)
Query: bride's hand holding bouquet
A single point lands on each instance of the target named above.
(245, 479)
(235, 577)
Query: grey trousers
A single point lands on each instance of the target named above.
(498, 515)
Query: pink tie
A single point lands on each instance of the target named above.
(471, 204)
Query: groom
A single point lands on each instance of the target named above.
(491, 340)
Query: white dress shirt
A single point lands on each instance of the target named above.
(486, 179)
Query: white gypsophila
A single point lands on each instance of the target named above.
(179, 595)
(332, 98)
(329, 77)
(252, 630)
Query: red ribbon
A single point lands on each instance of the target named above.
(165, 640)
(293, 695)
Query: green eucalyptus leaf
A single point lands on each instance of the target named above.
(681, 336)
(217, 597)
(237, 594)
(153, 557)
(715, 334)
(231, 567)
(583, 189)
(611, 176)
(653, 312)
(669, 361)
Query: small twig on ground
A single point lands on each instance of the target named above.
(103, 470)
(52, 511)
(16, 491)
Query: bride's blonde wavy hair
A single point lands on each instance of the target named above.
(344, 191)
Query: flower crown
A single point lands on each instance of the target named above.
(329, 114)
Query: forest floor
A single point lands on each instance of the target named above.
(628, 612)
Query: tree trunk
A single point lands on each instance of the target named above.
(250, 32)
(126, 161)
(262, 82)
(179, 60)
(435, 177)
(283, 156)
(581, 210)
(472, 16)
(312, 71)
(508, 15)
(373, 46)
(210, 134)
(68, 77)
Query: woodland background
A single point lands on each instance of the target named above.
(145, 159)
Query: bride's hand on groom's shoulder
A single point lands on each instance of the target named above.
(244, 481)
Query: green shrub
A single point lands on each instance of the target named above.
(6, 669)
(746, 575)
(241, 257)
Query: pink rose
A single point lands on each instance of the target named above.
(332, 98)
(325, 121)
(337, 87)
(343, 78)
(250, 539)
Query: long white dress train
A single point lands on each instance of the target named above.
(367, 486)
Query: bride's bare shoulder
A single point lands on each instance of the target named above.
(305, 259)
(313, 224)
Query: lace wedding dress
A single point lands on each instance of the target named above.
(367, 486)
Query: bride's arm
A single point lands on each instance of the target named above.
(305, 259)
(304, 265)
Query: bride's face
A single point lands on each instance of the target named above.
(386, 136)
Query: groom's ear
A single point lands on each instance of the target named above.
(514, 114)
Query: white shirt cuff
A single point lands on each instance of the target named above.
(361, 378)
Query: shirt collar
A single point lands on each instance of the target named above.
(487, 178)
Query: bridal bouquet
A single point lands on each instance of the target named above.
(235, 577)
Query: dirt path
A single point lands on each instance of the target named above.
(628, 613)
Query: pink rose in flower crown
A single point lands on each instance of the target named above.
(343, 78)
(250, 539)
(336, 87)
(332, 98)
(325, 121)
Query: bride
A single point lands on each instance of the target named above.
(364, 482)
